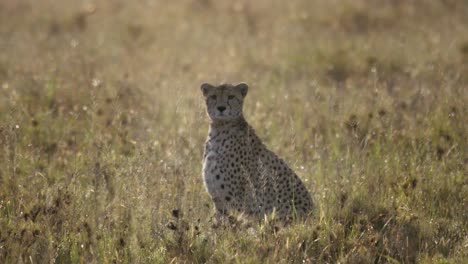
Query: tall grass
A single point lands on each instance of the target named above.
(102, 127)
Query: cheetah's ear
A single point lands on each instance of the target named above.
(206, 87)
(243, 87)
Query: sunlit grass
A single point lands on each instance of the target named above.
(102, 127)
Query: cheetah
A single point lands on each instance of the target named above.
(240, 173)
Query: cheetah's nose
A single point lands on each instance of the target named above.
(221, 108)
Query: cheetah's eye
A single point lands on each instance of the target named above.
(213, 97)
(231, 97)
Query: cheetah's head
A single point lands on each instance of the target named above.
(224, 102)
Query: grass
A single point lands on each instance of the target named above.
(102, 127)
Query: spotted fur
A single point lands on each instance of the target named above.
(239, 172)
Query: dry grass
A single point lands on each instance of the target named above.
(102, 128)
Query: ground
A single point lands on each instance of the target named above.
(102, 127)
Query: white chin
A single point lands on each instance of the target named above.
(222, 117)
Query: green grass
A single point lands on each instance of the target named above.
(102, 127)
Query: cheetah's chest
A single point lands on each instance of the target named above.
(210, 170)
(221, 164)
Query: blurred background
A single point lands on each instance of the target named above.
(102, 127)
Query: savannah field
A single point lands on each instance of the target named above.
(102, 128)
